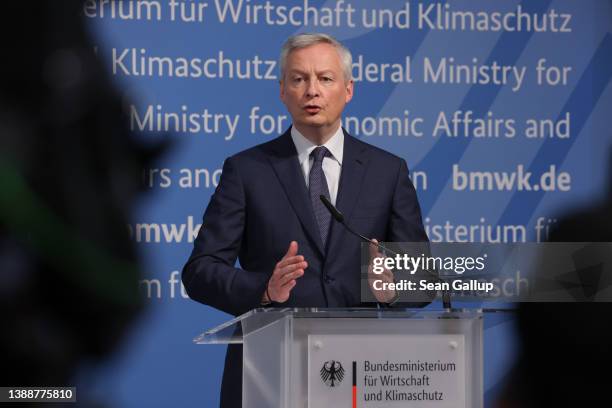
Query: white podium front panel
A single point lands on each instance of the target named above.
(380, 371)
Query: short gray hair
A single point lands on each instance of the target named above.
(306, 40)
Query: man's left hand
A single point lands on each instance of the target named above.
(383, 296)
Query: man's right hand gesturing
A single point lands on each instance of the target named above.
(284, 276)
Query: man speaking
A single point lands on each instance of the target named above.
(266, 211)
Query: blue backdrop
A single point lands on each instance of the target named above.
(501, 109)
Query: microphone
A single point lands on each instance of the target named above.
(338, 216)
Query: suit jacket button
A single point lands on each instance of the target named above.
(329, 279)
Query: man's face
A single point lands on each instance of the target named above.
(314, 89)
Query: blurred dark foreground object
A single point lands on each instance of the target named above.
(565, 349)
(69, 174)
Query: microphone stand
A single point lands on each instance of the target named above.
(338, 216)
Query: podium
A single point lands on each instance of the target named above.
(316, 358)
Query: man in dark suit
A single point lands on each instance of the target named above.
(267, 213)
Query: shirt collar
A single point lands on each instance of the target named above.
(304, 147)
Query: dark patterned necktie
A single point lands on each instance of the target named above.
(317, 186)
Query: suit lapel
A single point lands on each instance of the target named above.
(354, 165)
(287, 169)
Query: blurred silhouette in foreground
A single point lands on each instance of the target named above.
(565, 349)
(69, 173)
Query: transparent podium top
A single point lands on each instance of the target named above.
(233, 331)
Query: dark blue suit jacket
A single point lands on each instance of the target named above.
(262, 204)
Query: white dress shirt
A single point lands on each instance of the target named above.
(331, 165)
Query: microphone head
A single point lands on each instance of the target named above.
(333, 211)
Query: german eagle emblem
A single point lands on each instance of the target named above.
(332, 373)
